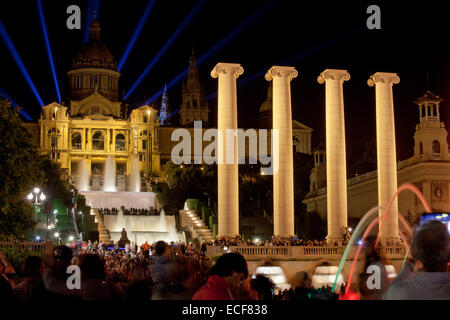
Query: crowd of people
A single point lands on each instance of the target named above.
(177, 271)
(128, 212)
(140, 212)
(275, 241)
(108, 211)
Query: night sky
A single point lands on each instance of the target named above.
(412, 42)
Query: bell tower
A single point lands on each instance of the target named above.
(193, 104)
(430, 138)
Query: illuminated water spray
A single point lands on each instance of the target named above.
(49, 50)
(19, 63)
(370, 219)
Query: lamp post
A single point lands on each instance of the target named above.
(37, 200)
(82, 225)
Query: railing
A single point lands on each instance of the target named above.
(300, 252)
(43, 247)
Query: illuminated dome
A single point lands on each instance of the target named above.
(94, 53)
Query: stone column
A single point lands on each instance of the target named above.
(283, 178)
(335, 152)
(228, 179)
(386, 150)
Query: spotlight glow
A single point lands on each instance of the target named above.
(15, 105)
(166, 46)
(49, 50)
(19, 63)
(295, 59)
(238, 30)
(93, 7)
(136, 33)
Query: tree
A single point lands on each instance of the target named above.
(19, 170)
(186, 181)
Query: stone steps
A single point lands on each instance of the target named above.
(197, 226)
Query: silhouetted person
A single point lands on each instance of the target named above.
(225, 278)
(430, 249)
(372, 258)
(55, 278)
(93, 283)
(32, 287)
(264, 286)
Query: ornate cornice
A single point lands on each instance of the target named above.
(333, 74)
(281, 71)
(227, 68)
(383, 77)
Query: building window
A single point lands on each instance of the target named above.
(76, 141)
(144, 144)
(143, 133)
(194, 102)
(120, 142)
(58, 155)
(141, 157)
(420, 148)
(145, 118)
(98, 141)
(436, 147)
(53, 134)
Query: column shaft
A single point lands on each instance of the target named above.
(228, 174)
(335, 152)
(283, 177)
(386, 151)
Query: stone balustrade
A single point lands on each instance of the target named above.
(43, 247)
(317, 253)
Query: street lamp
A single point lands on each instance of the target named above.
(37, 201)
(82, 224)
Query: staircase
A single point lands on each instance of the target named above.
(193, 223)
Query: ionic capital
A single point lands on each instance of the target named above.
(281, 71)
(227, 68)
(333, 74)
(383, 77)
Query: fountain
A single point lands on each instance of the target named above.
(162, 221)
(135, 178)
(372, 216)
(109, 179)
(83, 176)
(173, 234)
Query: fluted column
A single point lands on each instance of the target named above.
(283, 178)
(335, 152)
(386, 150)
(227, 167)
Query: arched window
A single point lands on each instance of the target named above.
(53, 134)
(436, 147)
(120, 142)
(76, 141)
(143, 133)
(98, 141)
(420, 148)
